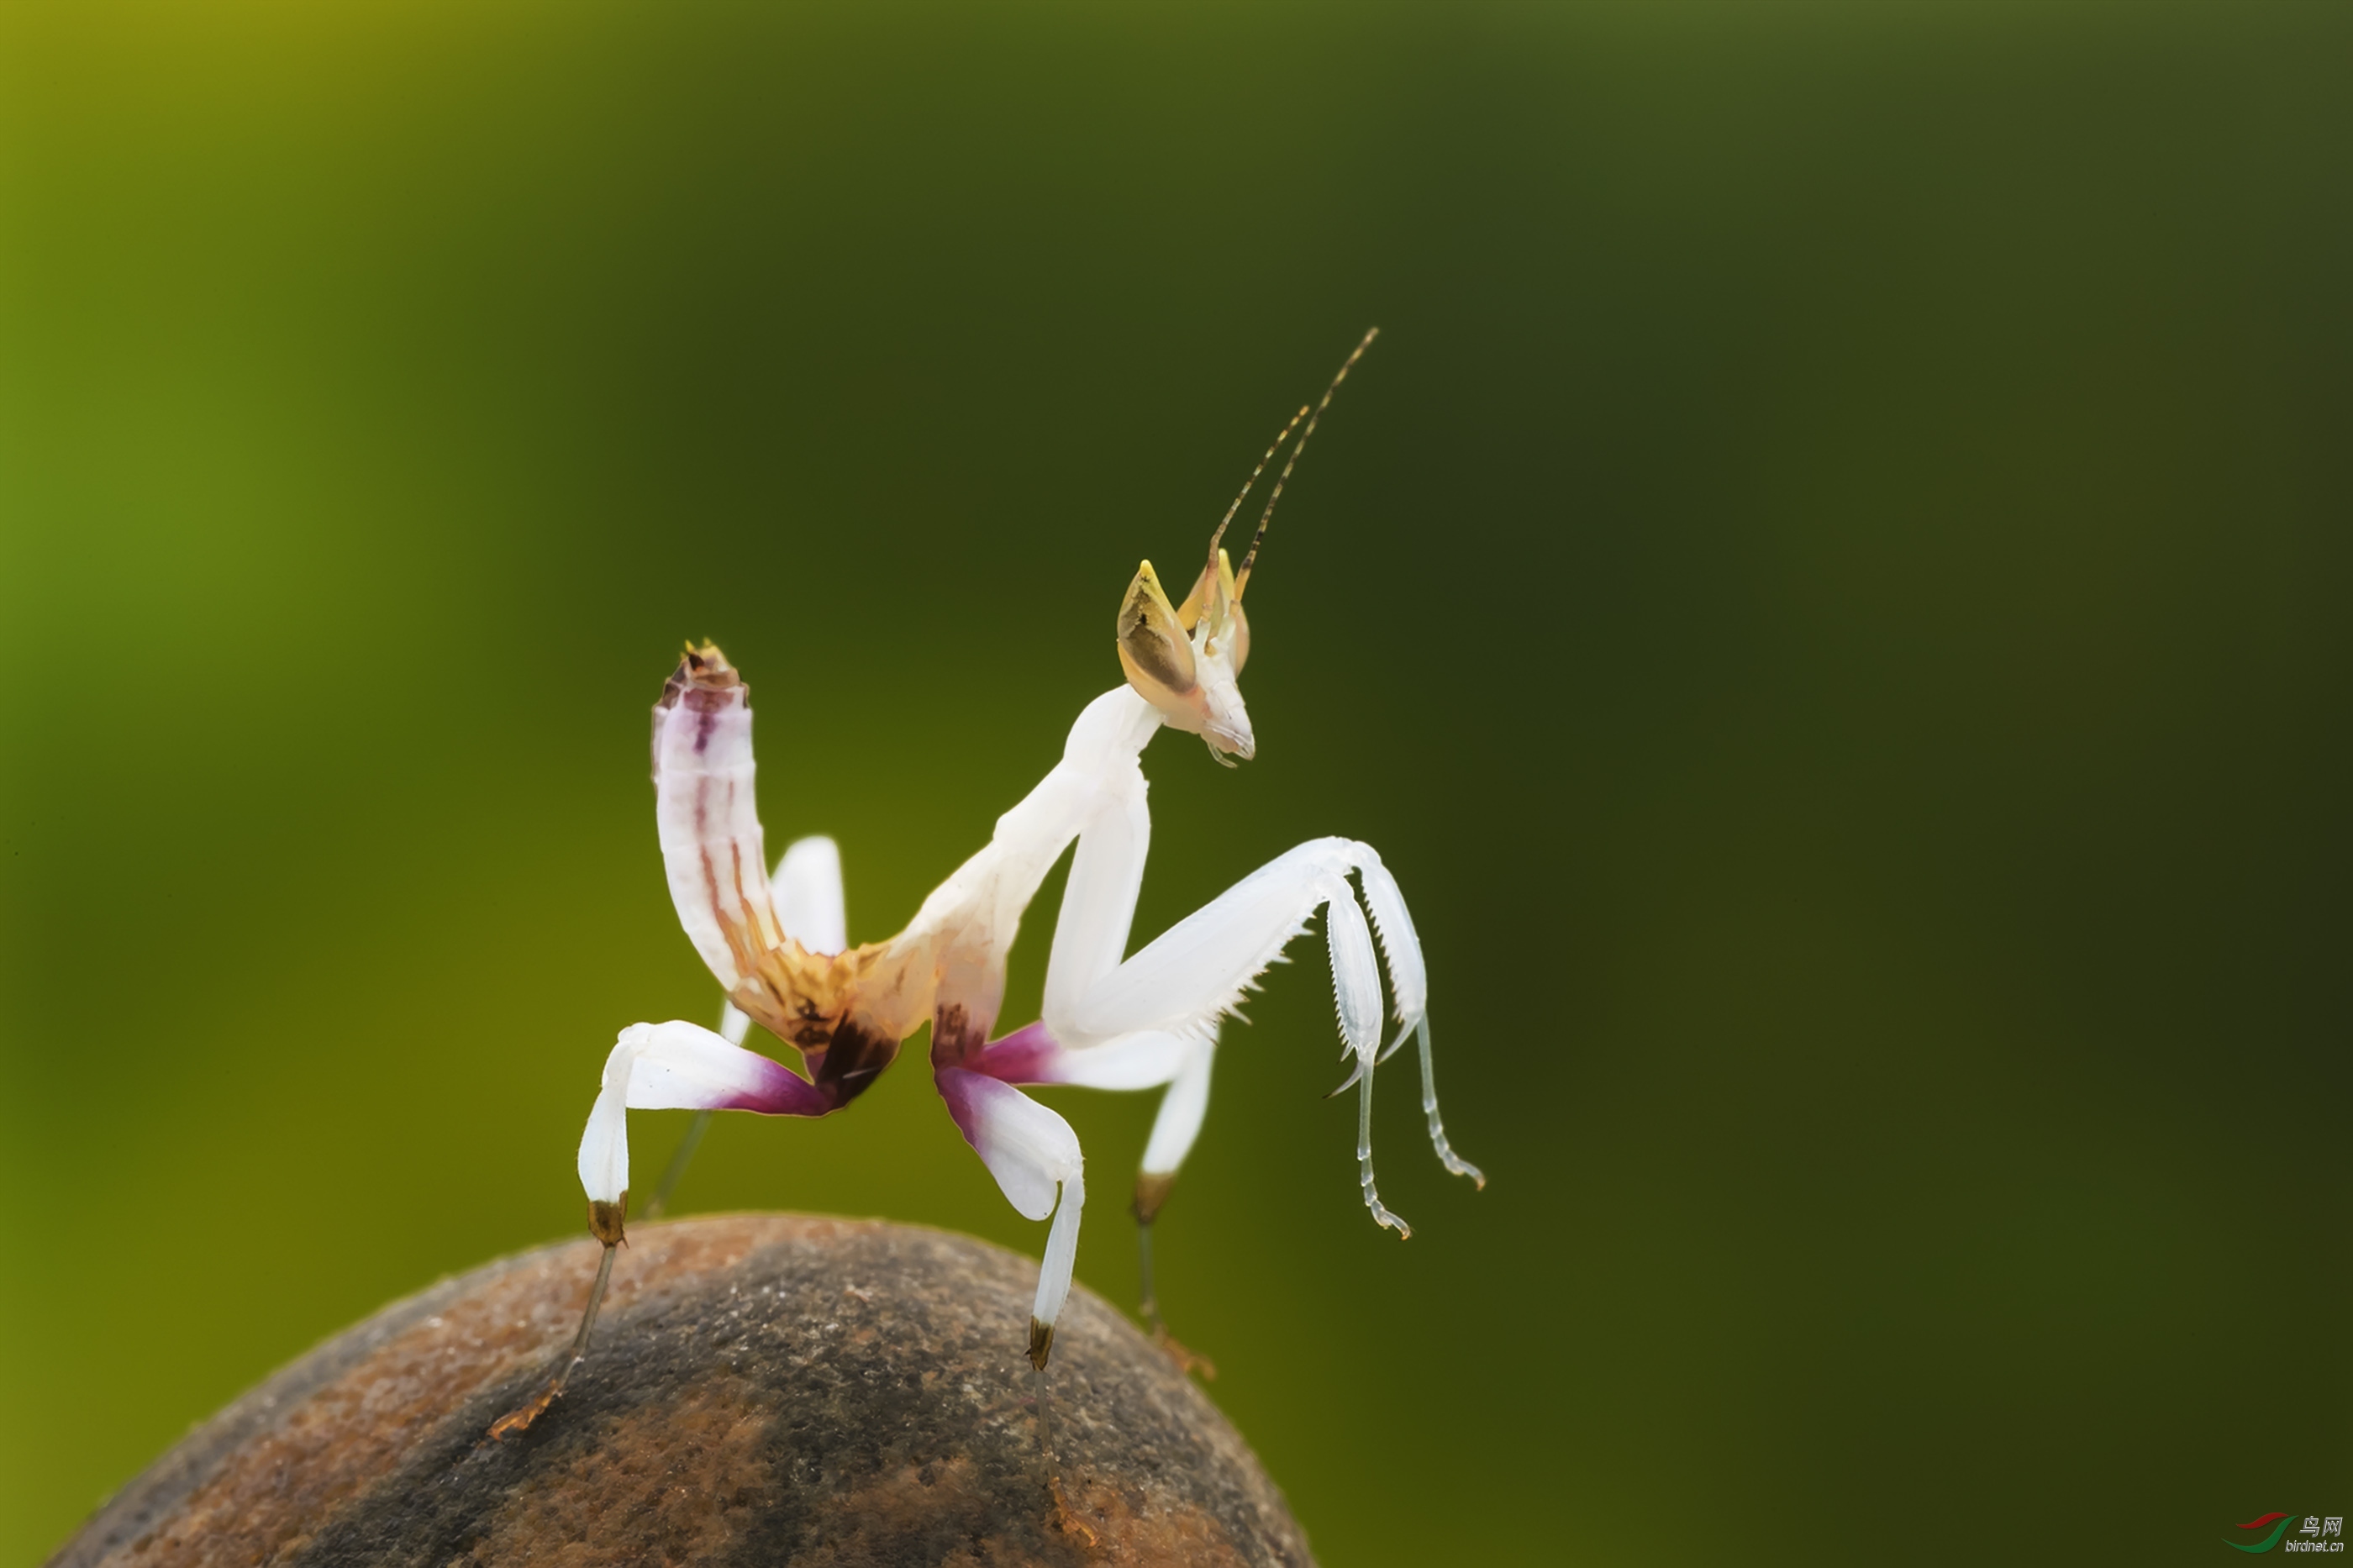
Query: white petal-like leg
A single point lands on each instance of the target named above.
(1146, 1059)
(1032, 1152)
(807, 893)
(676, 1066)
(658, 1067)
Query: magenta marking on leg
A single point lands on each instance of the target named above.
(962, 1089)
(1028, 1055)
(781, 1092)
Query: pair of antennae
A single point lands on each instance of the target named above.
(1241, 578)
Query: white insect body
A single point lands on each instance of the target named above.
(777, 946)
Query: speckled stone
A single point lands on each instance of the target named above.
(763, 1389)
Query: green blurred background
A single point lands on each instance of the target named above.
(1830, 594)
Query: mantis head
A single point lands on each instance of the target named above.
(1186, 660)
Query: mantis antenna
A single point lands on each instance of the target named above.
(1241, 578)
(1253, 481)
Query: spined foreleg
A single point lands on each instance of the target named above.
(1200, 968)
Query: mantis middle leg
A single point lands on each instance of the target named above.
(807, 893)
(679, 1065)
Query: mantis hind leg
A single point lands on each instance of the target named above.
(658, 1067)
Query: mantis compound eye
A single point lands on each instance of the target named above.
(1215, 597)
(1155, 651)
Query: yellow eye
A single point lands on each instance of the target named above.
(1188, 614)
(1153, 647)
(1215, 595)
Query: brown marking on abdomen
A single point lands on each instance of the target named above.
(853, 1061)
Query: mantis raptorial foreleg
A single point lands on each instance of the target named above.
(1200, 967)
(1152, 1019)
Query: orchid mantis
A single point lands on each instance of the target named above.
(777, 947)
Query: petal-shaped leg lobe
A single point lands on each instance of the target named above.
(1028, 1148)
(807, 893)
(1035, 1157)
(674, 1066)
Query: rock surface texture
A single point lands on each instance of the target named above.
(763, 1389)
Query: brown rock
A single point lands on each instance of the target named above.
(763, 1389)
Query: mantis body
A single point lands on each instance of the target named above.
(777, 946)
